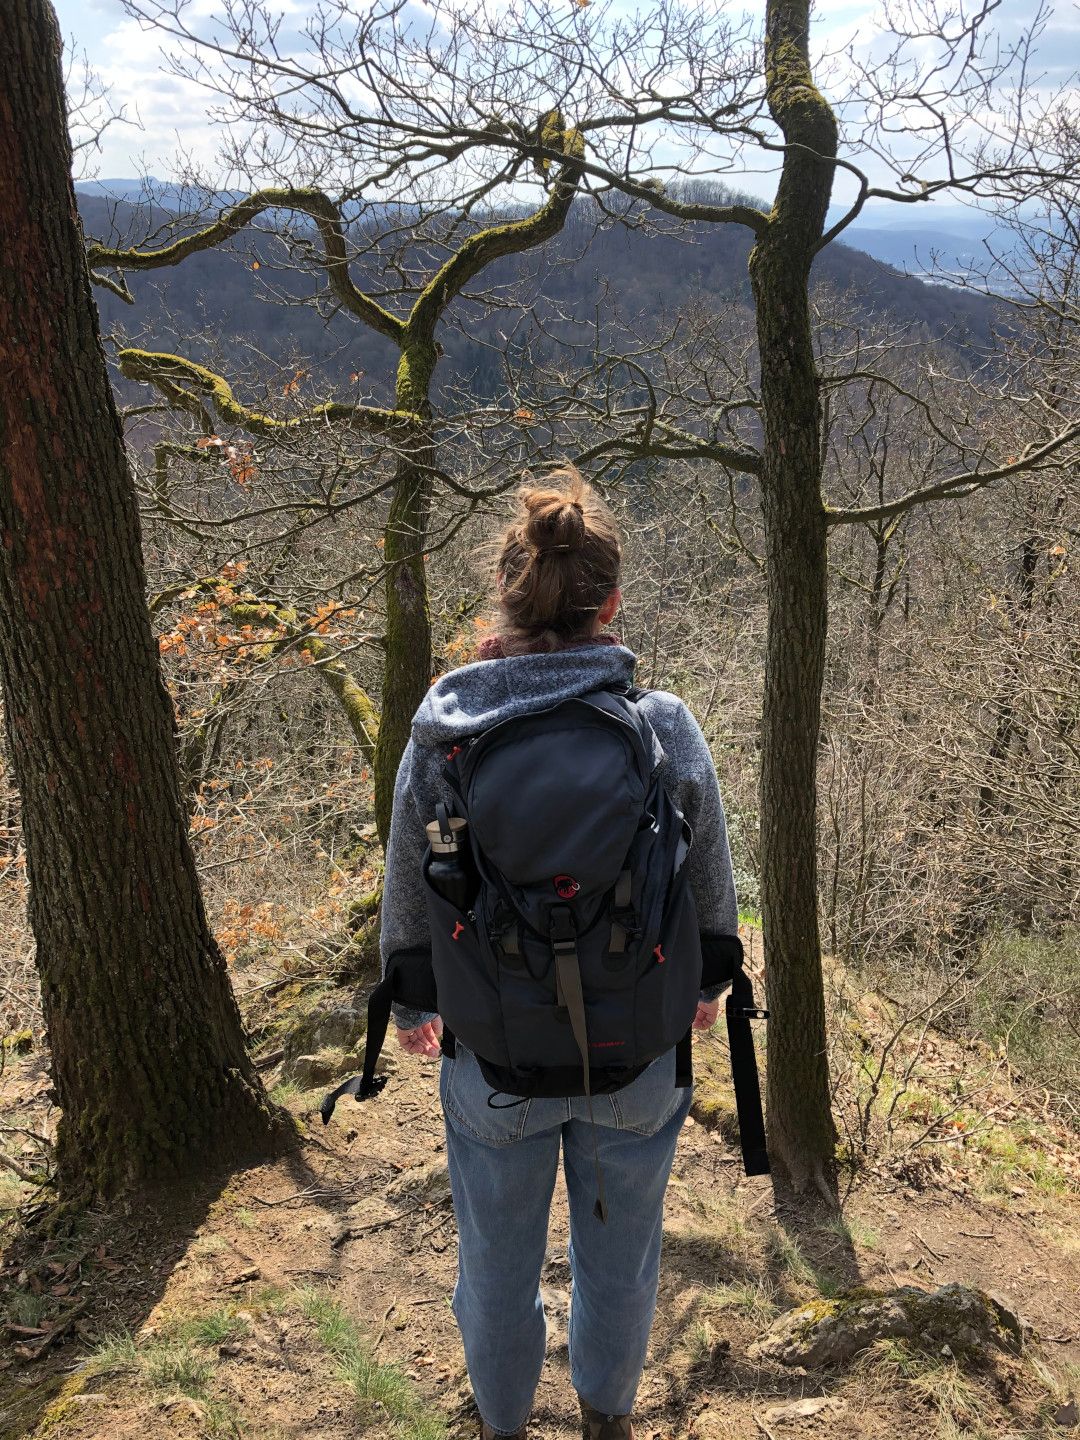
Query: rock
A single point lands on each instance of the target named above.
(800, 1409)
(1067, 1416)
(1011, 1320)
(327, 1027)
(424, 1183)
(308, 1071)
(713, 1108)
(828, 1332)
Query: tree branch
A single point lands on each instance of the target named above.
(310, 202)
(183, 383)
(249, 609)
(954, 487)
(481, 249)
(675, 444)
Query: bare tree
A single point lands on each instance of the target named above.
(148, 1054)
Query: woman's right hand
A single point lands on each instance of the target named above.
(424, 1040)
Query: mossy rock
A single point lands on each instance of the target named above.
(324, 1028)
(307, 1071)
(43, 1410)
(361, 959)
(713, 1108)
(830, 1332)
(365, 909)
(427, 1183)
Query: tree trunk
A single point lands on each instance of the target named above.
(407, 667)
(148, 1053)
(801, 1134)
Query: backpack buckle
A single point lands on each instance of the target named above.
(748, 1012)
(562, 931)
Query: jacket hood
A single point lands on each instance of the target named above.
(478, 696)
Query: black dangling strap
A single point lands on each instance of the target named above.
(570, 995)
(367, 1084)
(684, 1061)
(740, 1011)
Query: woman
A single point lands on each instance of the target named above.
(558, 587)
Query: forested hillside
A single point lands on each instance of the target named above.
(630, 276)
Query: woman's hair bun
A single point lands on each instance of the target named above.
(554, 520)
(558, 562)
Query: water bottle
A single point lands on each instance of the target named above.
(449, 872)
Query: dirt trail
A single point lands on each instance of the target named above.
(237, 1300)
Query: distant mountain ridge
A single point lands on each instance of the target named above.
(215, 308)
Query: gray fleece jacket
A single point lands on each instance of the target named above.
(475, 697)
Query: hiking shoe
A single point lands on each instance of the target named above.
(595, 1425)
(487, 1433)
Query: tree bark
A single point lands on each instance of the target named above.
(801, 1133)
(148, 1054)
(407, 659)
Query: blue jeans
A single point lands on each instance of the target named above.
(503, 1163)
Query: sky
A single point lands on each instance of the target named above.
(168, 115)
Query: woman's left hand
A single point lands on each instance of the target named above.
(707, 1012)
(424, 1040)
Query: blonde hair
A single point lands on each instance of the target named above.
(558, 562)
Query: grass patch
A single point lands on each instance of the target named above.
(755, 1301)
(26, 1308)
(786, 1256)
(177, 1362)
(208, 1245)
(216, 1327)
(855, 1231)
(13, 1192)
(177, 1367)
(269, 1300)
(937, 1379)
(117, 1354)
(786, 1260)
(377, 1387)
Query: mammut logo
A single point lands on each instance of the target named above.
(660, 956)
(566, 887)
(458, 931)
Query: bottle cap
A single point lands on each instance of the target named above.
(436, 834)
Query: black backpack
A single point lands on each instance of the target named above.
(579, 960)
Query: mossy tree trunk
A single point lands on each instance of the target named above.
(801, 1135)
(148, 1054)
(407, 657)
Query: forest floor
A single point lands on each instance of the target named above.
(309, 1297)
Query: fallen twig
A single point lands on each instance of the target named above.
(762, 1426)
(355, 1231)
(56, 1332)
(382, 1328)
(16, 1169)
(929, 1248)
